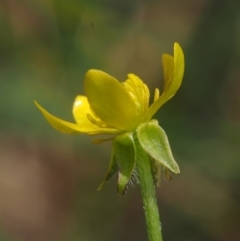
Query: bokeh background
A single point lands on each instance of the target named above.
(48, 180)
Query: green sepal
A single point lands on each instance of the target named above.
(154, 141)
(125, 150)
(156, 169)
(112, 168)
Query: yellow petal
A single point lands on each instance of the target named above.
(58, 124)
(168, 69)
(109, 100)
(156, 94)
(172, 85)
(69, 128)
(82, 112)
(176, 81)
(138, 91)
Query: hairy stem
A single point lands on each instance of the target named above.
(149, 195)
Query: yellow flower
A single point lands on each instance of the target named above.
(122, 111)
(112, 107)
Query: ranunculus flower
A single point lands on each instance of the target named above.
(122, 111)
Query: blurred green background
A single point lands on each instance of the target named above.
(48, 180)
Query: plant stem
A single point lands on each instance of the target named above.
(148, 194)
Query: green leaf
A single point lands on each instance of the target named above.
(125, 150)
(112, 168)
(154, 141)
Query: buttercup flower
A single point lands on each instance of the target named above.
(122, 111)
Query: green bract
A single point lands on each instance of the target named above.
(125, 151)
(153, 141)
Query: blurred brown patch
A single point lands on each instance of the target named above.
(36, 189)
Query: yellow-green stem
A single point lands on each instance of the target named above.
(150, 206)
